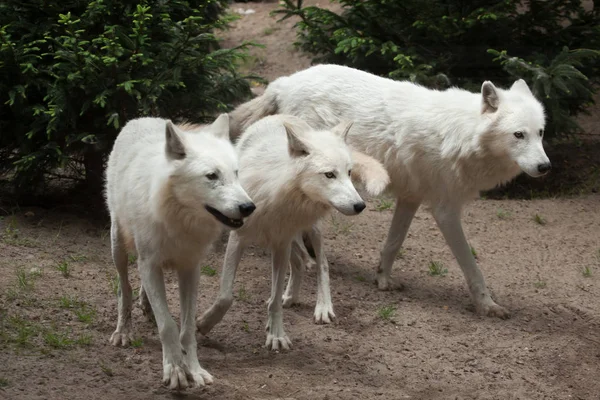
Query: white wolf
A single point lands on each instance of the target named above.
(295, 175)
(169, 192)
(439, 147)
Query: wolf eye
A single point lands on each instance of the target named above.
(212, 176)
(330, 175)
(349, 172)
(541, 132)
(519, 135)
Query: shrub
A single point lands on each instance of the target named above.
(73, 72)
(440, 43)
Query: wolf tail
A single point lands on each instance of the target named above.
(250, 112)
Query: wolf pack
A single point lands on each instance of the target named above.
(273, 168)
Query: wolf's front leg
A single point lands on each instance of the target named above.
(176, 373)
(448, 219)
(188, 295)
(324, 308)
(233, 255)
(276, 336)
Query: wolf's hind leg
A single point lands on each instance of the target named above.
(123, 334)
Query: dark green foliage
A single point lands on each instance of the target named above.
(440, 43)
(73, 72)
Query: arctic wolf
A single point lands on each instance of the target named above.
(295, 175)
(169, 192)
(439, 147)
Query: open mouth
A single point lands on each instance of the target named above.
(230, 222)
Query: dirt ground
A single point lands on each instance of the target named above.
(541, 259)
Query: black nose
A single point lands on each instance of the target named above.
(543, 168)
(247, 209)
(358, 207)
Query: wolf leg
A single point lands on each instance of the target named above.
(403, 216)
(233, 255)
(188, 295)
(324, 308)
(448, 219)
(176, 373)
(123, 335)
(276, 336)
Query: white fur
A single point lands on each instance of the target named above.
(157, 189)
(283, 166)
(439, 147)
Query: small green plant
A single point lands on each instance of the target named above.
(78, 257)
(539, 219)
(57, 340)
(208, 270)
(85, 313)
(587, 271)
(436, 268)
(106, 369)
(386, 312)
(243, 294)
(245, 327)
(64, 269)
(137, 343)
(131, 259)
(3, 382)
(84, 340)
(360, 278)
(24, 330)
(502, 214)
(341, 227)
(473, 251)
(540, 284)
(24, 280)
(384, 204)
(268, 31)
(68, 302)
(401, 254)
(113, 281)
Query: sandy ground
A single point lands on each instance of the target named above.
(541, 259)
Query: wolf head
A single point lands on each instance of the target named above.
(204, 171)
(325, 167)
(517, 127)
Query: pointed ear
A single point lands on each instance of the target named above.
(296, 147)
(490, 98)
(342, 129)
(174, 147)
(220, 128)
(521, 86)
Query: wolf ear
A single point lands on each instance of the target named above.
(296, 147)
(521, 86)
(174, 147)
(490, 98)
(342, 129)
(220, 128)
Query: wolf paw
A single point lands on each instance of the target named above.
(278, 342)
(121, 337)
(492, 310)
(387, 283)
(324, 313)
(201, 377)
(177, 376)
